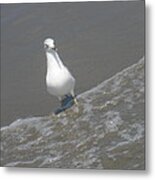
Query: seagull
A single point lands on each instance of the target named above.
(59, 80)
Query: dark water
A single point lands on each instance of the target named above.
(95, 40)
(105, 131)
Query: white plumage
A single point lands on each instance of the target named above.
(59, 80)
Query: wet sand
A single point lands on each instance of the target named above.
(95, 41)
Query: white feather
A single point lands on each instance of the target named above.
(59, 80)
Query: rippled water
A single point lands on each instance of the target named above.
(105, 131)
(95, 40)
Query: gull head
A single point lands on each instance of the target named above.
(49, 44)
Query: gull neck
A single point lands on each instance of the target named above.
(54, 59)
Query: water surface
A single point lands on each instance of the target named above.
(95, 40)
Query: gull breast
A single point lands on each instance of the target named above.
(60, 82)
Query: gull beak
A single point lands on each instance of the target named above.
(55, 49)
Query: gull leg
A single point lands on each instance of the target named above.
(74, 97)
(75, 101)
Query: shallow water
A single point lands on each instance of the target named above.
(105, 131)
(95, 40)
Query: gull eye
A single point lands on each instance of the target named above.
(46, 46)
